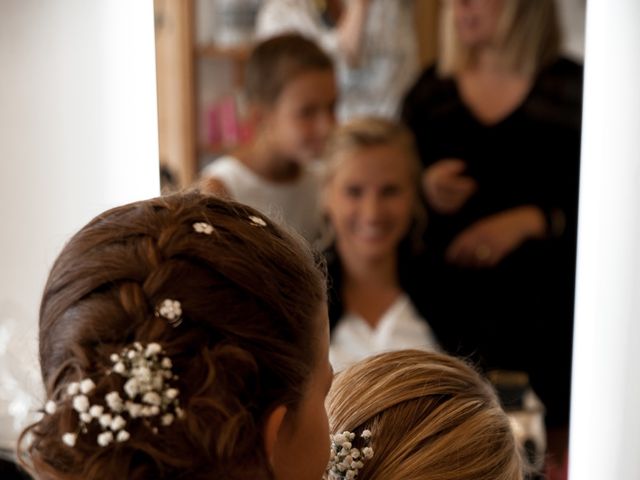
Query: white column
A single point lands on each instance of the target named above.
(78, 134)
(605, 421)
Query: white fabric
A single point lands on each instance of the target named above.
(400, 327)
(295, 204)
(388, 63)
(301, 16)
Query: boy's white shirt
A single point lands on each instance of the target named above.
(295, 204)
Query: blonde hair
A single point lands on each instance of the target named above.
(430, 416)
(369, 132)
(528, 35)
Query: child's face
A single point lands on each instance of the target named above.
(371, 201)
(301, 119)
(305, 451)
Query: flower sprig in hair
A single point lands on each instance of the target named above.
(147, 394)
(346, 461)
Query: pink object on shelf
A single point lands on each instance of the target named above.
(213, 131)
(229, 121)
(225, 126)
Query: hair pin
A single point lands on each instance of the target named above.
(203, 227)
(171, 310)
(257, 221)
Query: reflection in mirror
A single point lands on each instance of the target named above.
(202, 115)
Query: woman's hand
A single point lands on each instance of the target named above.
(488, 241)
(446, 188)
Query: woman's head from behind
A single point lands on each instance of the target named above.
(370, 191)
(526, 34)
(430, 416)
(244, 334)
(290, 86)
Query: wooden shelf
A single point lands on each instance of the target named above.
(236, 54)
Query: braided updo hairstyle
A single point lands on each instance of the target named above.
(251, 296)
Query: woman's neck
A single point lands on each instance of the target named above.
(267, 164)
(490, 89)
(379, 270)
(370, 285)
(490, 60)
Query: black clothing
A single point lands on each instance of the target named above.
(519, 314)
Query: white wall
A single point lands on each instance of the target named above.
(78, 134)
(605, 417)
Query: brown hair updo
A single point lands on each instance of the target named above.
(251, 296)
(431, 416)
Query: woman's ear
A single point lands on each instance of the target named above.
(272, 430)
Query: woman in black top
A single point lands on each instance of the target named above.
(497, 123)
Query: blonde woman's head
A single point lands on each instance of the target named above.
(371, 189)
(431, 416)
(525, 33)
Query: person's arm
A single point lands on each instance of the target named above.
(351, 27)
(277, 17)
(446, 186)
(489, 240)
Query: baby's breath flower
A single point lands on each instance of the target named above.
(346, 461)
(50, 407)
(105, 438)
(69, 439)
(80, 403)
(146, 372)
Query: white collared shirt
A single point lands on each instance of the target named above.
(400, 327)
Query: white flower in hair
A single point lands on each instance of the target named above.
(147, 371)
(73, 388)
(153, 348)
(118, 367)
(134, 409)
(131, 387)
(171, 310)
(105, 420)
(96, 410)
(167, 419)
(257, 221)
(105, 438)
(203, 227)
(87, 385)
(117, 423)
(50, 407)
(69, 439)
(152, 398)
(80, 403)
(114, 402)
(346, 461)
